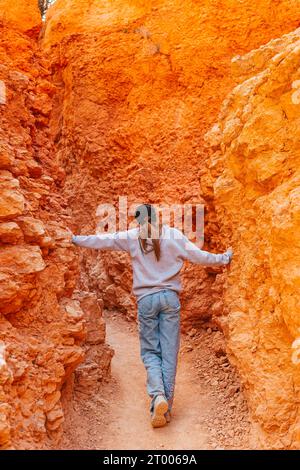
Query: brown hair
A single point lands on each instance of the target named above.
(146, 217)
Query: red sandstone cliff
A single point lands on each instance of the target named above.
(117, 102)
(42, 325)
(140, 86)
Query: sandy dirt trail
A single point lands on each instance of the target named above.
(130, 428)
(118, 417)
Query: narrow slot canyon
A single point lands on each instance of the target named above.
(169, 103)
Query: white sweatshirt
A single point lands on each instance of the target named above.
(150, 275)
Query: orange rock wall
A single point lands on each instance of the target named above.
(42, 323)
(255, 169)
(140, 82)
(23, 14)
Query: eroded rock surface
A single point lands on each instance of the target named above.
(116, 103)
(40, 336)
(255, 169)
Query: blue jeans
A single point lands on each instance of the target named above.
(159, 331)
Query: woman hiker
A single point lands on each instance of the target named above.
(157, 252)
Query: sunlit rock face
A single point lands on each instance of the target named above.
(42, 324)
(23, 15)
(139, 84)
(255, 169)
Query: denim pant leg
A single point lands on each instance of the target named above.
(169, 328)
(151, 352)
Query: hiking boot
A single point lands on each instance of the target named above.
(168, 416)
(160, 407)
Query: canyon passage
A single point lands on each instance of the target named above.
(164, 102)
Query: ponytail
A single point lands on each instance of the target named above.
(155, 242)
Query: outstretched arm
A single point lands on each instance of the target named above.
(103, 241)
(192, 253)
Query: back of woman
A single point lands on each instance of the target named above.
(157, 252)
